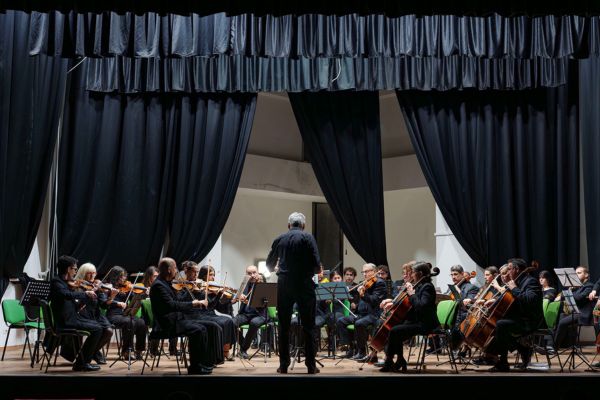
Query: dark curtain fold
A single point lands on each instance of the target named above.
(114, 174)
(257, 74)
(342, 139)
(589, 99)
(503, 168)
(149, 34)
(208, 167)
(31, 96)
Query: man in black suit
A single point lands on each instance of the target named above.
(567, 325)
(368, 313)
(525, 315)
(169, 317)
(468, 292)
(299, 260)
(66, 304)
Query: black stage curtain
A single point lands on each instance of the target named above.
(589, 99)
(339, 7)
(114, 173)
(226, 73)
(150, 34)
(503, 168)
(208, 167)
(342, 139)
(31, 98)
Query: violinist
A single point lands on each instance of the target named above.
(169, 317)
(150, 276)
(91, 307)
(566, 331)
(421, 319)
(372, 291)
(468, 292)
(525, 315)
(254, 317)
(219, 300)
(349, 278)
(129, 325)
(65, 303)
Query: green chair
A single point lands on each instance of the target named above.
(14, 318)
(540, 337)
(446, 314)
(270, 329)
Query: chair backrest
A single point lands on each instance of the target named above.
(347, 308)
(272, 311)
(446, 312)
(551, 313)
(14, 312)
(146, 310)
(48, 317)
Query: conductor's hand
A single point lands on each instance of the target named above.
(91, 294)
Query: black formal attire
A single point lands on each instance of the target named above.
(212, 323)
(367, 314)
(525, 315)
(253, 317)
(420, 320)
(467, 291)
(169, 319)
(396, 287)
(298, 262)
(66, 304)
(550, 294)
(129, 326)
(566, 328)
(92, 311)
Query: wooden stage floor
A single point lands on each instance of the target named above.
(18, 380)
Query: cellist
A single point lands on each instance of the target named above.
(524, 316)
(421, 319)
(468, 292)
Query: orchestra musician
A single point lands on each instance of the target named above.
(254, 317)
(383, 272)
(547, 288)
(91, 306)
(129, 325)
(525, 315)
(565, 333)
(468, 292)
(298, 257)
(349, 278)
(421, 319)
(65, 304)
(372, 292)
(169, 317)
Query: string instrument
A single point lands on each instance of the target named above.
(479, 325)
(184, 284)
(596, 316)
(129, 287)
(213, 287)
(366, 284)
(240, 291)
(466, 278)
(401, 305)
(87, 285)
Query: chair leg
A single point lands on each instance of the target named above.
(6, 342)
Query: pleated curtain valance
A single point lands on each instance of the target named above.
(259, 74)
(149, 34)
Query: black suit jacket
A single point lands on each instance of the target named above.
(586, 307)
(528, 305)
(167, 310)
(467, 291)
(369, 303)
(65, 303)
(423, 308)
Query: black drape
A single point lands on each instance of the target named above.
(211, 150)
(503, 168)
(114, 173)
(31, 98)
(589, 99)
(342, 138)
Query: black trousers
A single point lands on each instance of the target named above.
(214, 336)
(399, 334)
(506, 337)
(90, 345)
(129, 327)
(254, 323)
(361, 330)
(566, 331)
(302, 293)
(197, 342)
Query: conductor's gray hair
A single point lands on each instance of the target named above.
(297, 219)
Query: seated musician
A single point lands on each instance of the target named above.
(65, 305)
(566, 328)
(367, 313)
(148, 279)
(487, 291)
(548, 288)
(406, 277)
(254, 317)
(421, 319)
(349, 278)
(130, 326)
(383, 272)
(87, 273)
(468, 292)
(525, 315)
(169, 318)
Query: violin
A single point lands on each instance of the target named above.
(87, 285)
(138, 288)
(366, 283)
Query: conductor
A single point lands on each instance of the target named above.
(299, 260)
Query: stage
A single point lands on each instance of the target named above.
(259, 380)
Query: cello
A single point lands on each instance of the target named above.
(401, 306)
(479, 327)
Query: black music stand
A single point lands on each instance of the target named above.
(34, 292)
(264, 295)
(333, 291)
(575, 350)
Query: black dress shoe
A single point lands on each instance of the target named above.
(401, 365)
(99, 359)
(86, 367)
(199, 370)
(388, 367)
(313, 370)
(500, 367)
(282, 370)
(349, 354)
(243, 355)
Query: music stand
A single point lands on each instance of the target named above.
(575, 350)
(264, 295)
(568, 277)
(333, 291)
(34, 292)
